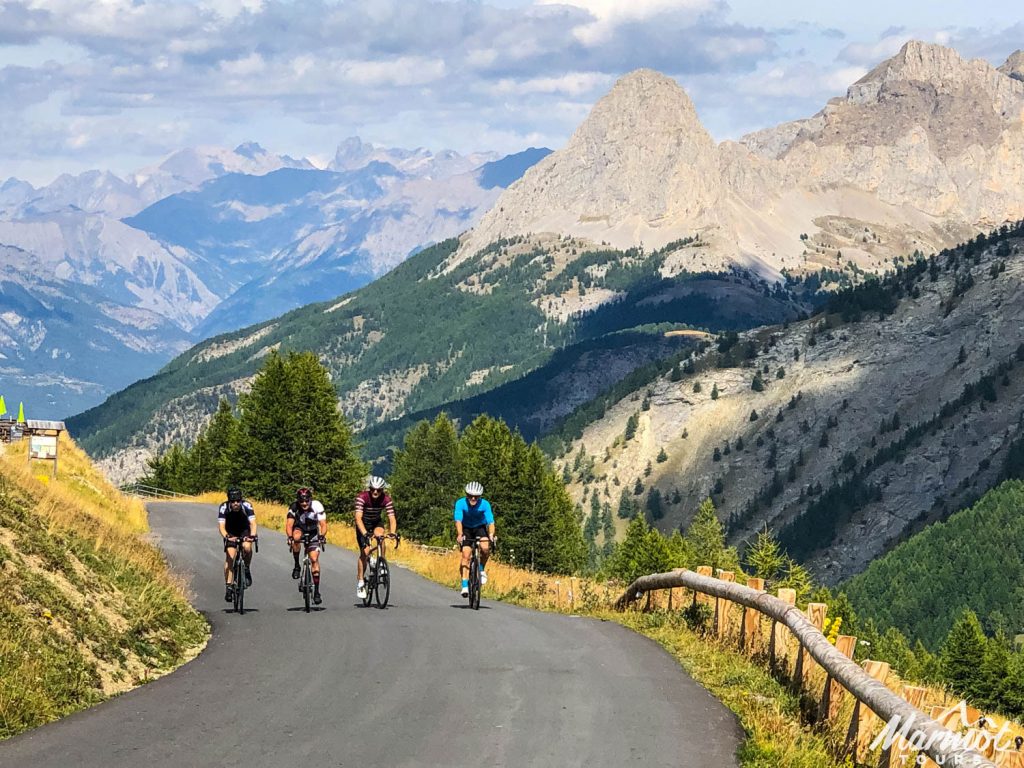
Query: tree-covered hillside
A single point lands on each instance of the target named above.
(429, 333)
(973, 560)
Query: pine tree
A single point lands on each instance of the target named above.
(220, 437)
(426, 478)
(962, 653)
(758, 383)
(655, 508)
(714, 391)
(291, 434)
(626, 508)
(707, 537)
(696, 386)
(631, 426)
(643, 551)
(662, 456)
(765, 557)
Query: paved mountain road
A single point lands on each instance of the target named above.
(425, 683)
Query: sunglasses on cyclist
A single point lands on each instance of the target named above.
(472, 498)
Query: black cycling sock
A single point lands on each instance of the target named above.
(296, 556)
(316, 579)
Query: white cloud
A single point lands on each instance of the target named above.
(405, 70)
(608, 14)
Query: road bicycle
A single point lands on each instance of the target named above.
(306, 569)
(377, 578)
(474, 568)
(238, 569)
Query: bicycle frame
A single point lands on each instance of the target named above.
(306, 577)
(238, 568)
(474, 569)
(377, 578)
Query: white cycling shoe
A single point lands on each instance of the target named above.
(465, 592)
(361, 590)
(483, 578)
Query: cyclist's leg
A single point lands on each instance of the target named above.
(247, 552)
(229, 559)
(485, 553)
(314, 556)
(467, 553)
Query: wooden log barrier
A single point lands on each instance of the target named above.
(937, 742)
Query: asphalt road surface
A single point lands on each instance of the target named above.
(426, 682)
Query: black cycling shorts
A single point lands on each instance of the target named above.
(478, 532)
(366, 541)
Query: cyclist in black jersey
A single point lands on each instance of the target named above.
(236, 519)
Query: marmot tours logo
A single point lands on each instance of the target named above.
(964, 729)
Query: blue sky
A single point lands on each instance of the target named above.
(118, 84)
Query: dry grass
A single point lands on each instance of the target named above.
(88, 607)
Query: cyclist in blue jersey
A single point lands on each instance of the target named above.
(474, 520)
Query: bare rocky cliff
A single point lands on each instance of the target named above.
(904, 419)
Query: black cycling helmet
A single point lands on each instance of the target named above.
(304, 494)
(234, 494)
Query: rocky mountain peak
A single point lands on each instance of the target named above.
(1014, 65)
(944, 71)
(640, 168)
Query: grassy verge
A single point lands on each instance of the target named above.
(88, 609)
(767, 711)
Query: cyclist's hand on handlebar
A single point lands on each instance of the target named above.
(460, 538)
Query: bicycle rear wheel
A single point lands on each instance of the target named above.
(383, 588)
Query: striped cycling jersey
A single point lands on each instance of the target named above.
(473, 517)
(374, 509)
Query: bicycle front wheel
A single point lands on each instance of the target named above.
(383, 588)
(474, 584)
(307, 586)
(239, 586)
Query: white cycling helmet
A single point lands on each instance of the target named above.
(377, 483)
(474, 489)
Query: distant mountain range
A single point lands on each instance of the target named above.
(103, 279)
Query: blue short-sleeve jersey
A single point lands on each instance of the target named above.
(473, 517)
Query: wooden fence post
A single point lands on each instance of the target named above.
(816, 613)
(722, 607)
(779, 649)
(750, 634)
(573, 588)
(832, 695)
(700, 597)
(864, 720)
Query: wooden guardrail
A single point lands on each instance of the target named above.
(918, 732)
(150, 492)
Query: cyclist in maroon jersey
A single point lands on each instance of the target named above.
(371, 506)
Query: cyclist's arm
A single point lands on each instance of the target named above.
(458, 520)
(489, 520)
(222, 523)
(252, 520)
(359, 519)
(322, 522)
(392, 519)
(289, 525)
